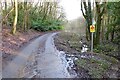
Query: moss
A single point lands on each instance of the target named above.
(96, 72)
(95, 67)
(109, 49)
(108, 58)
(81, 62)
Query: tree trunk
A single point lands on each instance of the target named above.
(46, 6)
(5, 13)
(99, 19)
(88, 17)
(97, 41)
(16, 16)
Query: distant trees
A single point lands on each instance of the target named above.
(47, 16)
(42, 16)
(113, 23)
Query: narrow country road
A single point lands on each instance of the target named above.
(48, 59)
(50, 64)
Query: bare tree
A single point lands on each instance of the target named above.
(16, 16)
(87, 13)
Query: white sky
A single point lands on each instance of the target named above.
(72, 8)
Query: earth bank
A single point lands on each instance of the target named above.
(88, 65)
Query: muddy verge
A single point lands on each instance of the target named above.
(12, 43)
(86, 64)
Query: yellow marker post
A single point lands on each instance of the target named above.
(92, 30)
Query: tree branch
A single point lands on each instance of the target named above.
(82, 10)
(7, 14)
(103, 10)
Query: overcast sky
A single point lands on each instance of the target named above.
(72, 8)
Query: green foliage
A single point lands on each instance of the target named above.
(8, 19)
(114, 10)
(47, 25)
(38, 17)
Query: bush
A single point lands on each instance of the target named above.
(45, 27)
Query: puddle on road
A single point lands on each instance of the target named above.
(68, 62)
(84, 47)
